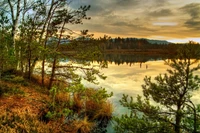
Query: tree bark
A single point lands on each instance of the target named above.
(55, 59)
(15, 18)
(46, 24)
(178, 118)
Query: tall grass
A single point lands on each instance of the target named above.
(83, 126)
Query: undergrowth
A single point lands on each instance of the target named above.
(27, 108)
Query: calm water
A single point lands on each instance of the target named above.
(127, 79)
(125, 74)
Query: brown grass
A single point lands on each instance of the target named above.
(37, 79)
(98, 109)
(83, 126)
(22, 113)
(19, 113)
(105, 112)
(21, 121)
(91, 108)
(77, 103)
(62, 97)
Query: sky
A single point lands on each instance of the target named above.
(171, 20)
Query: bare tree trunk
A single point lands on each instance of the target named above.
(15, 18)
(55, 59)
(195, 121)
(21, 63)
(178, 118)
(54, 6)
(46, 24)
(52, 73)
(29, 62)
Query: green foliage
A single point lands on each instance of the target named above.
(143, 117)
(10, 90)
(53, 93)
(18, 79)
(100, 95)
(11, 76)
(7, 59)
(75, 87)
(75, 102)
(51, 115)
(139, 124)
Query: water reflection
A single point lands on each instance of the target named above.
(130, 59)
(126, 77)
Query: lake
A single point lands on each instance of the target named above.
(127, 78)
(125, 74)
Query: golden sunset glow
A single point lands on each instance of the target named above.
(172, 20)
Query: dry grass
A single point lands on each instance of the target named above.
(105, 112)
(22, 113)
(25, 122)
(77, 103)
(37, 79)
(19, 113)
(91, 108)
(83, 126)
(62, 97)
(99, 108)
(19, 121)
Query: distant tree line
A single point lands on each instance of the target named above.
(140, 45)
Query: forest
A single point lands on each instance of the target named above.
(141, 45)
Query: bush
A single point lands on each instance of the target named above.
(15, 79)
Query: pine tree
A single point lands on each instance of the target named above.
(171, 93)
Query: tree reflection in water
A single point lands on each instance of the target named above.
(129, 59)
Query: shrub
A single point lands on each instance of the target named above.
(83, 126)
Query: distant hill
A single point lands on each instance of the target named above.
(158, 41)
(151, 41)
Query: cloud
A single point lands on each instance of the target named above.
(165, 23)
(160, 3)
(193, 10)
(128, 26)
(127, 3)
(121, 23)
(195, 24)
(161, 13)
(97, 7)
(142, 18)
